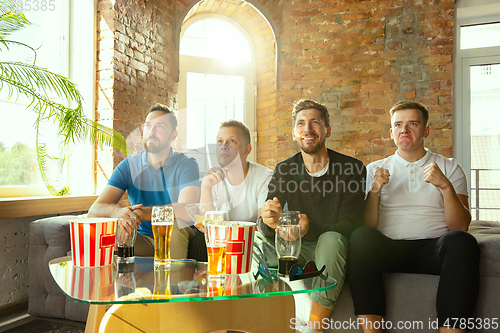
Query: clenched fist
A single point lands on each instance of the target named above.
(434, 175)
(380, 178)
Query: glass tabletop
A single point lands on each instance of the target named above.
(181, 281)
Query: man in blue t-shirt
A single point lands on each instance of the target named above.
(156, 176)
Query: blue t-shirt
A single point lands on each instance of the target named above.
(154, 187)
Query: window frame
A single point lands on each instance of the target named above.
(72, 33)
(215, 66)
(476, 12)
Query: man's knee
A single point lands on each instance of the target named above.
(461, 243)
(331, 241)
(364, 234)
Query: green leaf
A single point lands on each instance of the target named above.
(11, 18)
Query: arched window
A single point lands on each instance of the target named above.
(216, 83)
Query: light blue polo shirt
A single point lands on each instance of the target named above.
(155, 187)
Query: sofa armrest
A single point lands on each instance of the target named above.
(50, 239)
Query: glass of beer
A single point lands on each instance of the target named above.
(216, 237)
(216, 287)
(162, 282)
(288, 241)
(162, 223)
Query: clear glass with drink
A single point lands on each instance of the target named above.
(162, 223)
(126, 233)
(125, 283)
(288, 241)
(290, 217)
(216, 237)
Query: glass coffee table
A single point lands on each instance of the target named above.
(180, 298)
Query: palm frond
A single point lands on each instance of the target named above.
(12, 19)
(7, 42)
(40, 79)
(73, 125)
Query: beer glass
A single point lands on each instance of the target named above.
(216, 287)
(288, 241)
(126, 232)
(162, 223)
(162, 282)
(216, 237)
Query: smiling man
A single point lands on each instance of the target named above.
(326, 187)
(156, 176)
(416, 216)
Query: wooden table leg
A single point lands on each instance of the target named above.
(96, 313)
(261, 314)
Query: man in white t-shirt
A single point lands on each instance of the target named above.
(416, 220)
(241, 182)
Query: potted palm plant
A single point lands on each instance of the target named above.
(40, 86)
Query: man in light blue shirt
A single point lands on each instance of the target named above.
(156, 176)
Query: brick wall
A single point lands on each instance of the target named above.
(358, 57)
(14, 238)
(141, 70)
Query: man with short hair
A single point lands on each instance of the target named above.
(416, 217)
(327, 188)
(242, 183)
(156, 176)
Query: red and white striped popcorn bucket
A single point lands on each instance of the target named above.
(92, 241)
(240, 247)
(93, 283)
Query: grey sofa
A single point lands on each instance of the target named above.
(50, 239)
(411, 297)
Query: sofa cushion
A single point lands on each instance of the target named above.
(50, 239)
(488, 238)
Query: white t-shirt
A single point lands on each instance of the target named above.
(409, 207)
(247, 197)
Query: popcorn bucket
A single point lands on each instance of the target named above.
(238, 285)
(92, 241)
(93, 283)
(240, 247)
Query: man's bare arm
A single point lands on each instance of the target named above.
(371, 209)
(106, 204)
(456, 206)
(380, 178)
(456, 210)
(189, 194)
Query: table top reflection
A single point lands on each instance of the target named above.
(181, 281)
